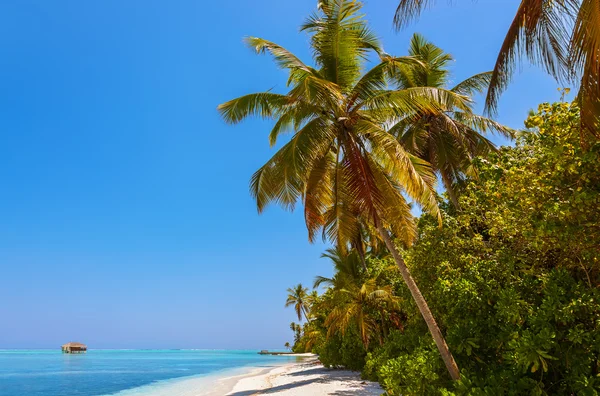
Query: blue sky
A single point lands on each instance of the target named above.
(125, 215)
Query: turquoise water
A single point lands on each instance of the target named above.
(106, 372)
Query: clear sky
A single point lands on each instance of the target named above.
(125, 217)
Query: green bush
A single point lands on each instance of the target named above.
(342, 351)
(512, 278)
(417, 373)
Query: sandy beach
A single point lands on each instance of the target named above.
(307, 377)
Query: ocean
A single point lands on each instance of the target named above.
(123, 372)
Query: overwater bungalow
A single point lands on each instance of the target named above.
(74, 347)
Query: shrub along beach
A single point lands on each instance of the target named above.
(493, 288)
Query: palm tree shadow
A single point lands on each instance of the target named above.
(324, 376)
(335, 374)
(274, 389)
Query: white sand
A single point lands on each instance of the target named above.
(305, 378)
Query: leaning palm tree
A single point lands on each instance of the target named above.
(299, 298)
(562, 36)
(341, 161)
(447, 140)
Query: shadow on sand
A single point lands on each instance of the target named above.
(324, 376)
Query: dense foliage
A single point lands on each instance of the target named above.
(512, 279)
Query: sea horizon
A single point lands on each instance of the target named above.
(151, 349)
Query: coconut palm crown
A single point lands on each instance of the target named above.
(341, 161)
(447, 140)
(299, 298)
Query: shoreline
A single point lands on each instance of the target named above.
(218, 383)
(306, 376)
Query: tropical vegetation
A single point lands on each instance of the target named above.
(506, 258)
(513, 280)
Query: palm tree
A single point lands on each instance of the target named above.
(299, 298)
(349, 280)
(561, 36)
(347, 269)
(312, 299)
(287, 346)
(297, 330)
(341, 161)
(356, 304)
(449, 140)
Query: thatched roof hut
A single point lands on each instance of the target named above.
(74, 347)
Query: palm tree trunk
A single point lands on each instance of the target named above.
(364, 264)
(305, 311)
(422, 304)
(361, 253)
(383, 327)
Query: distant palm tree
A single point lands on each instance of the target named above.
(287, 346)
(447, 140)
(562, 36)
(341, 161)
(298, 297)
(297, 330)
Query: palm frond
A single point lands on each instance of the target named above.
(316, 91)
(340, 219)
(284, 58)
(361, 187)
(584, 50)
(435, 73)
(321, 280)
(339, 319)
(319, 193)
(418, 100)
(483, 124)
(409, 10)
(293, 119)
(474, 84)
(396, 212)
(414, 175)
(340, 41)
(282, 178)
(263, 104)
(376, 79)
(539, 30)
